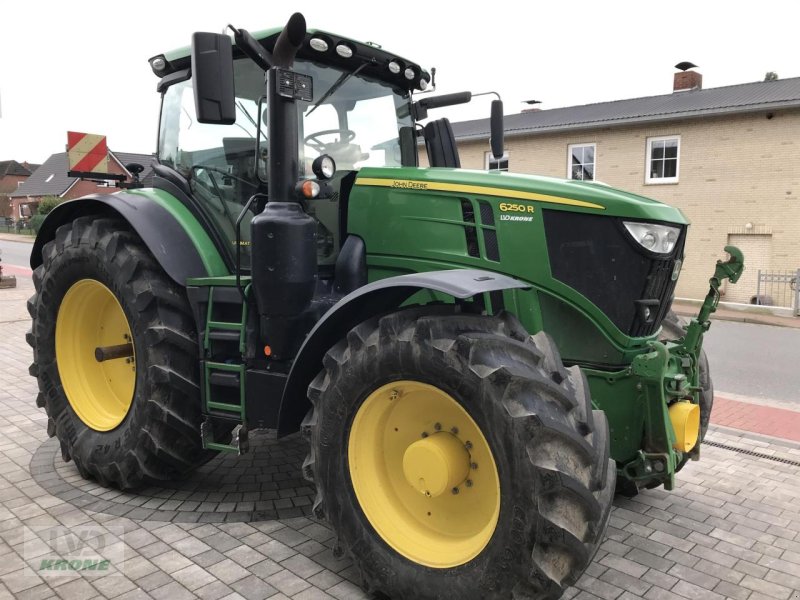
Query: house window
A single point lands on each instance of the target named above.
(663, 155)
(580, 162)
(494, 164)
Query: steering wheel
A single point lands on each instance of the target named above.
(346, 136)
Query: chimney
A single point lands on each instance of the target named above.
(687, 80)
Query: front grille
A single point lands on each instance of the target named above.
(491, 244)
(594, 255)
(470, 235)
(487, 213)
(659, 285)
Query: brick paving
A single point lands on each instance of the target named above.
(730, 529)
(768, 420)
(14, 270)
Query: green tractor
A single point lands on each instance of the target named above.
(477, 359)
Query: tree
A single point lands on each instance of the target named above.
(48, 203)
(771, 76)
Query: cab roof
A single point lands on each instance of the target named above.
(374, 59)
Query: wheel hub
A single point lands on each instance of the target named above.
(436, 464)
(91, 319)
(423, 474)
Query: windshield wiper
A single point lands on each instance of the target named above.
(336, 85)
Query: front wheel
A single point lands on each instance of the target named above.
(454, 456)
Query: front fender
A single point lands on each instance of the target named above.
(173, 235)
(371, 300)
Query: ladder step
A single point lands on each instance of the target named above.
(217, 447)
(224, 335)
(236, 368)
(224, 325)
(233, 408)
(225, 379)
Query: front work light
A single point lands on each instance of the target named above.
(344, 51)
(323, 167)
(654, 237)
(318, 44)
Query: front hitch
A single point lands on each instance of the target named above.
(668, 376)
(730, 269)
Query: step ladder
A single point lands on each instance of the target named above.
(224, 371)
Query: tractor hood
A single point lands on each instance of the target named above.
(550, 192)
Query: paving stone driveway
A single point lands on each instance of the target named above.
(241, 529)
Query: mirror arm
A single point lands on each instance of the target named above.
(252, 48)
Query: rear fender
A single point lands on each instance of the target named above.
(371, 300)
(173, 235)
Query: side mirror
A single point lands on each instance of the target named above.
(212, 75)
(496, 130)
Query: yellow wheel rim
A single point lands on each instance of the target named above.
(424, 474)
(91, 317)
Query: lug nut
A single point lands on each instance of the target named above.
(438, 426)
(468, 445)
(394, 395)
(454, 430)
(474, 466)
(468, 483)
(424, 434)
(455, 490)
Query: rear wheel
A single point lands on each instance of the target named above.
(135, 415)
(454, 456)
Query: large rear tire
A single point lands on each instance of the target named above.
(130, 419)
(502, 409)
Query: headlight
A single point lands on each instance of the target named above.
(654, 237)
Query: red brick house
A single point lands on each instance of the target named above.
(12, 175)
(51, 179)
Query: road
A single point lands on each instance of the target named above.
(761, 361)
(15, 254)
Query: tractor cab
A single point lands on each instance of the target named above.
(355, 109)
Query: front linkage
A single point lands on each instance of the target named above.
(669, 387)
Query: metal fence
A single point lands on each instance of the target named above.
(9, 226)
(778, 288)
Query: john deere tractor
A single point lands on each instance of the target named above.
(477, 359)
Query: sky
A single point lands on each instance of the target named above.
(82, 66)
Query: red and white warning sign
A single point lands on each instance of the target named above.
(87, 152)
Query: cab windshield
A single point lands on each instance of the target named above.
(354, 119)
